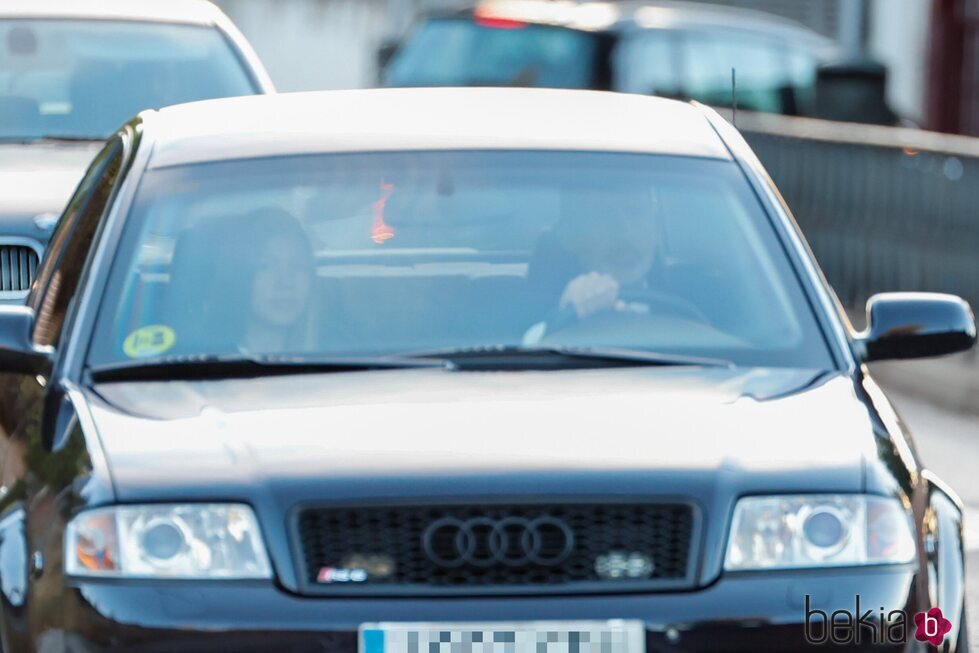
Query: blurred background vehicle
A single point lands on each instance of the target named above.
(73, 72)
(677, 50)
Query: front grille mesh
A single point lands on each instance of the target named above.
(392, 542)
(18, 266)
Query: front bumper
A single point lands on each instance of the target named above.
(744, 612)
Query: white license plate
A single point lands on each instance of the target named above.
(617, 636)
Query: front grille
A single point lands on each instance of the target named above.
(18, 265)
(532, 548)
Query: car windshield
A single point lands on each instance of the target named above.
(390, 254)
(84, 78)
(456, 52)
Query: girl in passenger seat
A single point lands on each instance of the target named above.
(252, 284)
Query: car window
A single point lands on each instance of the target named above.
(84, 78)
(708, 58)
(61, 268)
(647, 62)
(802, 67)
(386, 253)
(454, 52)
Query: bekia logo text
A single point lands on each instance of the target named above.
(843, 627)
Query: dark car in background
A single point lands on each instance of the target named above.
(71, 73)
(449, 370)
(671, 49)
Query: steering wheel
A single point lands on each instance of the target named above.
(657, 303)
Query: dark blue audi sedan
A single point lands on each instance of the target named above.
(457, 371)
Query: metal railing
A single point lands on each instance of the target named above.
(883, 208)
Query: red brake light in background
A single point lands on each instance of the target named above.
(487, 19)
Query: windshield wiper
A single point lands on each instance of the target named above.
(191, 368)
(560, 357)
(503, 357)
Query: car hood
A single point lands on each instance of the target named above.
(397, 432)
(39, 178)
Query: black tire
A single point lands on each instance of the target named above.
(962, 643)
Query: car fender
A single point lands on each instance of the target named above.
(944, 544)
(14, 580)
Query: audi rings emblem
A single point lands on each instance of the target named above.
(511, 541)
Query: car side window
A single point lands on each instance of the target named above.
(646, 63)
(761, 71)
(62, 266)
(802, 73)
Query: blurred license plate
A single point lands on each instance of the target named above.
(505, 637)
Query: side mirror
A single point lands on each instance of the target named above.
(916, 325)
(853, 90)
(17, 352)
(385, 53)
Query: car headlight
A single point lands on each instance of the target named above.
(167, 541)
(784, 532)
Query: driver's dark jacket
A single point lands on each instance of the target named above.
(552, 267)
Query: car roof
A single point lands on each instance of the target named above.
(643, 14)
(416, 119)
(194, 12)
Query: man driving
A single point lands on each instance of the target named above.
(601, 249)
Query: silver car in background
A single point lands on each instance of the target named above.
(71, 73)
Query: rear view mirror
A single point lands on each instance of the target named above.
(17, 352)
(916, 325)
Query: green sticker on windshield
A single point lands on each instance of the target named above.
(149, 341)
